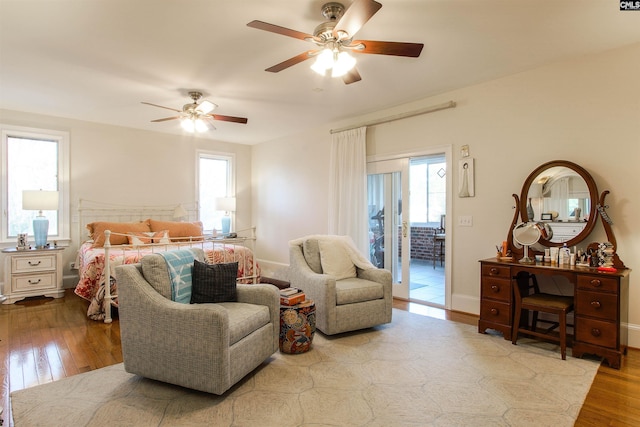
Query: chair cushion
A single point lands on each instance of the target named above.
(311, 253)
(214, 282)
(558, 302)
(245, 318)
(352, 290)
(335, 260)
(156, 271)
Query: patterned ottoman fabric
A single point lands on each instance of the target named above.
(297, 327)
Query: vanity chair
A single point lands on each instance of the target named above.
(527, 296)
(560, 198)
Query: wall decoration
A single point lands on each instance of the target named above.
(466, 186)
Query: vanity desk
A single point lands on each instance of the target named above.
(601, 298)
(601, 304)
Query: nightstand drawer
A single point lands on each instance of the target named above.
(32, 282)
(28, 264)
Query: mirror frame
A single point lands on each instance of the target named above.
(593, 195)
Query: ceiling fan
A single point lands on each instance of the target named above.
(334, 39)
(197, 117)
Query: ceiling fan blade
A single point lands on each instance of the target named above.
(355, 17)
(352, 76)
(229, 118)
(160, 106)
(165, 119)
(388, 48)
(292, 61)
(279, 30)
(206, 107)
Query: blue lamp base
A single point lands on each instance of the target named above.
(40, 230)
(226, 225)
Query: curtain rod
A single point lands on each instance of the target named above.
(433, 108)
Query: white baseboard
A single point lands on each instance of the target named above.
(634, 335)
(465, 304)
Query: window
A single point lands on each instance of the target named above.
(427, 185)
(215, 180)
(33, 159)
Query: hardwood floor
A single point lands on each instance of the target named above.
(44, 340)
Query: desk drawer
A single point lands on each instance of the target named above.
(496, 312)
(598, 283)
(31, 282)
(597, 304)
(496, 288)
(596, 332)
(496, 271)
(28, 264)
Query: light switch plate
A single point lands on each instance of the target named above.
(465, 221)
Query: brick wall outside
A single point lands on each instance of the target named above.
(421, 243)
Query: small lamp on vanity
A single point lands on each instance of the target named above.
(39, 200)
(228, 205)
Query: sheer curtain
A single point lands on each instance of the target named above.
(348, 187)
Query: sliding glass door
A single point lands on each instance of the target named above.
(387, 182)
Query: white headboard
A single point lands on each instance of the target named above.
(91, 211)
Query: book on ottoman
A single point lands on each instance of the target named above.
(293, 299)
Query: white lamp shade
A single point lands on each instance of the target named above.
(227, 204)
(39, 200)
(180, 212)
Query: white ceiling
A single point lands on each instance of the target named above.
(96, 60)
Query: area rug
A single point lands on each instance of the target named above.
(416, 371)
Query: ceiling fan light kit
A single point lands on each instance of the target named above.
(335, 37)
(196, 117)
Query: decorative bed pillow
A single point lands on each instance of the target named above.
(145, 237)
(335, 260)
(179, 231)
(214, 282)
(97, 229)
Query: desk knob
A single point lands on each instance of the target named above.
(495, 288)
(493, 270)
(596, 304)
(495, 311)
(596, 283)
(595, 332)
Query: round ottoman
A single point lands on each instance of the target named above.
(297, 327)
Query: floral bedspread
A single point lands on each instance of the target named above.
(91, 265)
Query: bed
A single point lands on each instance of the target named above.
(123, 235)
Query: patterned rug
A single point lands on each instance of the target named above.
(416, 371)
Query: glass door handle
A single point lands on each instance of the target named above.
(404, 229)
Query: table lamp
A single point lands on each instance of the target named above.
(227, 204)
(179, 213)
(39, 200)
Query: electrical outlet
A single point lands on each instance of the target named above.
(465, 221)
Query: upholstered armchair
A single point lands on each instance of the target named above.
(348, 291)
(207, 347)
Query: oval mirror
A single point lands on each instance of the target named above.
(563, 196)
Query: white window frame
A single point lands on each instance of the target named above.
(231, 180)
(62, 138)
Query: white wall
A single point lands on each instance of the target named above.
(128, 166)
(586, 110)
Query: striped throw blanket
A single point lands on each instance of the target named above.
(180, 264)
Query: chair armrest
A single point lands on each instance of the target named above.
(375, 275)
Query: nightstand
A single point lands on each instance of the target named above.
(32, 272)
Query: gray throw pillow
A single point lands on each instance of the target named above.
(311, 252)
(214, 282)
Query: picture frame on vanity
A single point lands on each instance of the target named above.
(546, 217)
